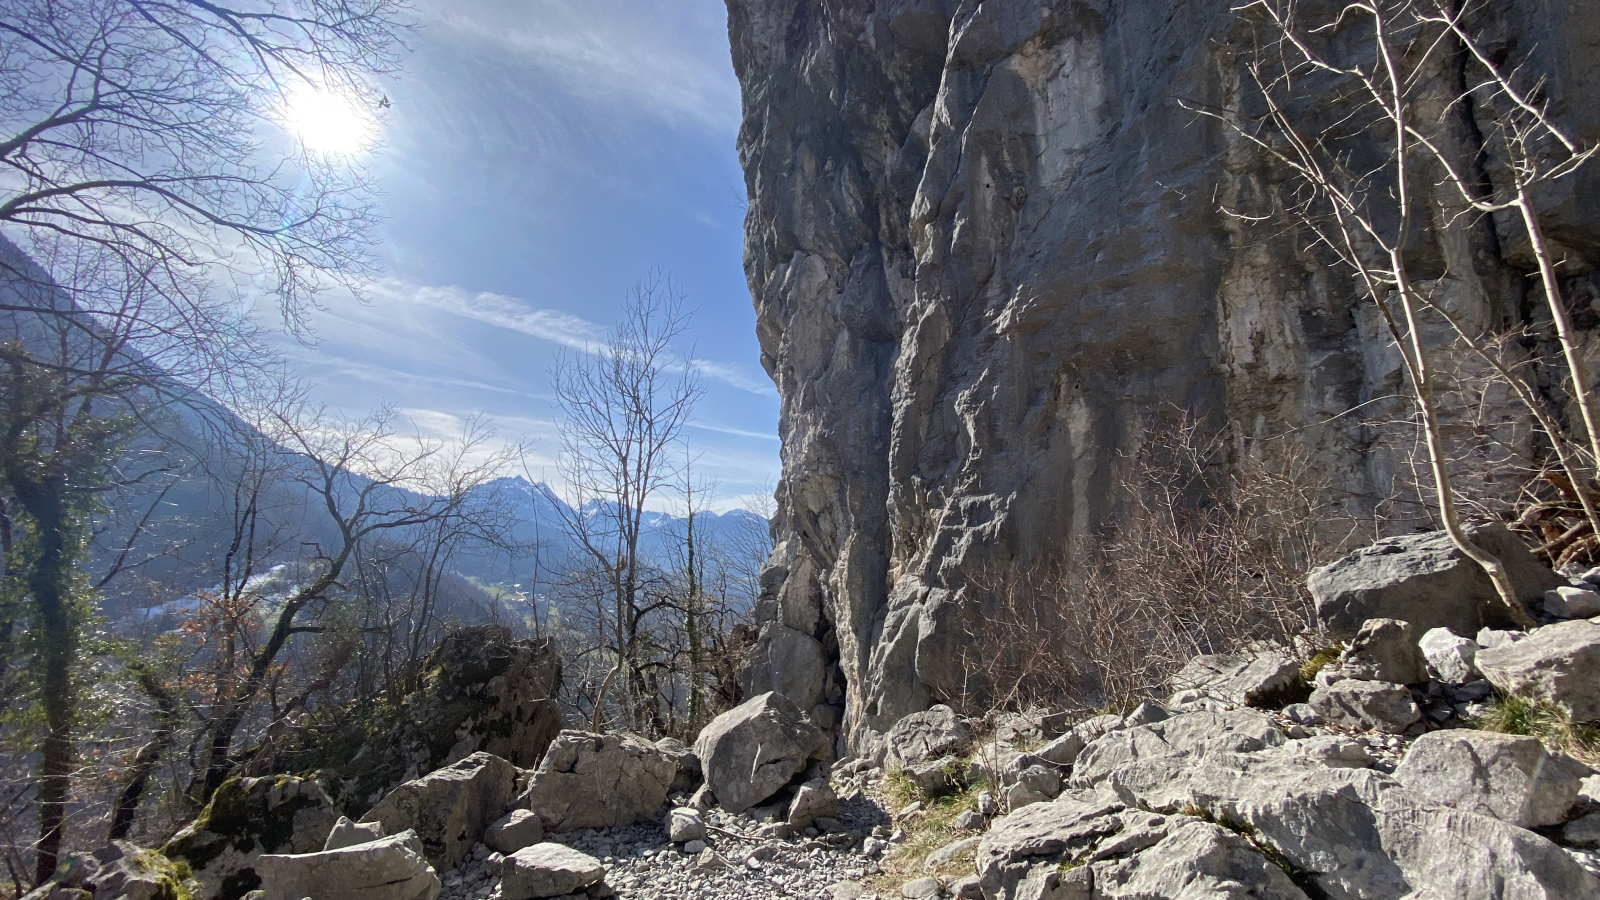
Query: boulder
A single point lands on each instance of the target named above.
(684, 825)
(927, 735)
(1384, 650)
(245, 818)
(1194, 859)
(1236, 679)
(1451, 658)
(1063, 751)
(513, 831)
(346, 833)
(933, 776)
(688, 776)
(547, 870)
(391, 868)
(1423, 579)
(1512, 778)
(814, 800)
(123, 871)
(1373, 705)
(752, 750)
(1189, 734)
(1355, 833)
(599, 781)
(1558, 663)
(450, 808)
(1572, 602)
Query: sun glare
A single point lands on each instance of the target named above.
(329, 122)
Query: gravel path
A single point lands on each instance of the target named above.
(745, 860)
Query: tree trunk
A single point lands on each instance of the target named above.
(44, 504)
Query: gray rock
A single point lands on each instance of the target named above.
(450, 808)
(752, 750)
(346, 833)
(934, 775)
(598, 781)
(390, 868)
(123, 871)
(1331, 750)
(694, 848)
(846, 890)
(969, 820)
(1063, 751)
(514, 830)
(1041, 780)
(925, 888)
(1583, 832)
(1424, 580)
(927, 735)
(710, 861)
(1489, 638)
(814, 800)
(1146, 713)
(547, 870)
(1020, 795)
(1384, 650)
(1302, 713)
(1451, 658)
(1559, 663)
(246, 818)
(684, 824)
(1357, 833)
(688, 776)
(943, 856)
(1195, 859)
(1512, 778)
(968, 888)
(1572, 603)
(1375, 705)
(1237, 679)
(1196, 733)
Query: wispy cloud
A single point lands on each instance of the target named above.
(736, 432)
(641, 57)
(736, 375)
(501, 311)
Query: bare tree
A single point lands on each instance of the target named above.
(626, 405)
(141, 168)
(371, 482)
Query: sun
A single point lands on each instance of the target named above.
(329, 122)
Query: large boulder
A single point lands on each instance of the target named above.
(1557, 663)
(1512, 778)
(449, 809)
(479, 691)
(1369, 705)
(1355, 833)
(1423, 579)
(1236, 679)
(752, 750)
(927, 735)
(688, 776)
(1190, 734)
(547, 870)
(598, 781)
(1384, 650)
(245, 818)
(391, 868)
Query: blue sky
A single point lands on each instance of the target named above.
(539, 158)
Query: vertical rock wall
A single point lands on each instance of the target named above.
(986, 254)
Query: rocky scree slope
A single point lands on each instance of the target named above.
(985, 250)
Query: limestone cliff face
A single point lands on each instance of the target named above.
(985, 248)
